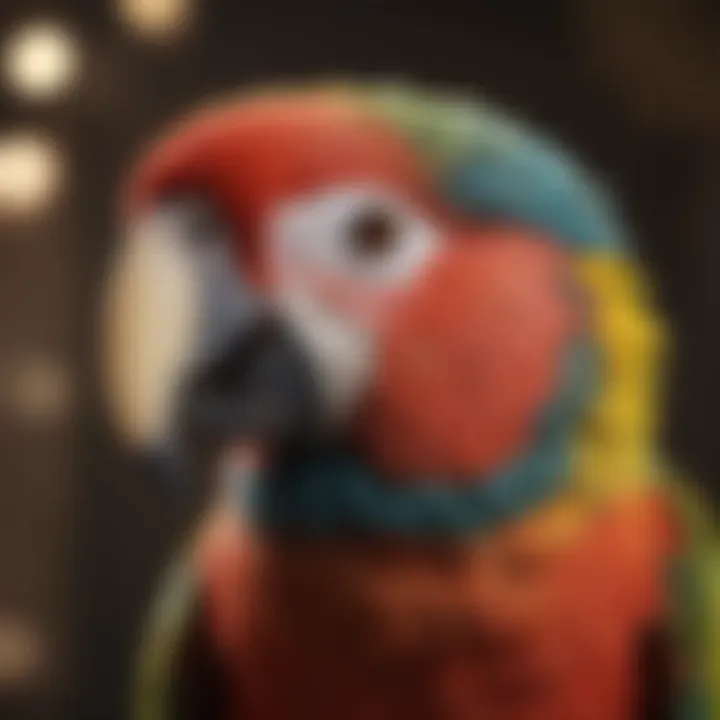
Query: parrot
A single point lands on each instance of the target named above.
(410, 336)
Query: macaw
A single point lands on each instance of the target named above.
(410, 334)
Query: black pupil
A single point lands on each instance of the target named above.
(372, 234)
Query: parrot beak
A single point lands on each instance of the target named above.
(188, 349)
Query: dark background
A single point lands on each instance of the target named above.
(633, 85)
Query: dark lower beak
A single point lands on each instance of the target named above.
(260, 391)
(261, 388)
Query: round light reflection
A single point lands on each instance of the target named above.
(156, 20)
(41, 61)
(21, 652)
(30, 172)
(42, 390)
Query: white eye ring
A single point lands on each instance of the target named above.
(356, 232)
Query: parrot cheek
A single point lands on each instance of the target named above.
(341, 352)
(470, 359)
(357, 303)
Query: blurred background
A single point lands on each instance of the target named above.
(633, 85)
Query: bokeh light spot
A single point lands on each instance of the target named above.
(30, 172)
(41, 61)
(156, 20)
(21, 652)
(40, 390)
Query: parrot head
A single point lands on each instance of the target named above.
(418, 305)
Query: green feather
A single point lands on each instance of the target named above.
(162, 643)
(696, 588)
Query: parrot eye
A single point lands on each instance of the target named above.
(362, 233)
(372, 234)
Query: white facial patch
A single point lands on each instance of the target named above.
(338, 257)
(341, 352)
(361, 232)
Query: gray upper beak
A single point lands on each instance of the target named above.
(188, 347)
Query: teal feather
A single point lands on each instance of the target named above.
(490, 165)
(531, 183)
